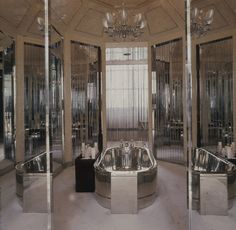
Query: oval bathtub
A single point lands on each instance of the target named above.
(206, 162)
(125, 160)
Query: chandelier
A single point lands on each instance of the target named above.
(201, 21)
(121, 25)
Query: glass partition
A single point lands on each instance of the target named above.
(127, 94)
(85, 77)
(167, 100)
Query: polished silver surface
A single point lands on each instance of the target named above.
(213, 194)
(167, 100)
(205, 162)
(126, 160)
(124, 193)
(31, 183)
(35, 193)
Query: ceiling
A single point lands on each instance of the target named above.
(84, 17)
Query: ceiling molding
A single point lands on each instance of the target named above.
(77, 18)
(179, 6)
(162, 19)
(91, 23)
(77, 36)
(228, 11)
(128, 3)
(31, 13)
(7, 28)
(66, 9)
(171, 35)
(149, 7)
(13, 12)
(173, 13)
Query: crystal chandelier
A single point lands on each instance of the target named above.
(201, 21)
(121, 25)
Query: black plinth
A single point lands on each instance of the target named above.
(84, 175)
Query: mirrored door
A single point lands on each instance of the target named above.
(167, 100)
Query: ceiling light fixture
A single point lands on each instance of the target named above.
(121, 25)
(201, 21)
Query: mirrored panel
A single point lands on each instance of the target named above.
(7, 92)
(56, 103)
(34, 100)
(85, 82)
(167, 100)
(212, 166)
(215, 82)
(23, 189)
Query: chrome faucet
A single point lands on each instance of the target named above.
(126, 156)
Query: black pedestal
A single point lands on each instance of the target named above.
(84, 175)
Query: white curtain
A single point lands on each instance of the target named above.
(127, 93)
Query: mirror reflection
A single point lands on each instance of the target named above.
(167, 100)
(7, 84)
(213, 158)
(215, 94)
(85, 88)
(34, 69)
(56, 103)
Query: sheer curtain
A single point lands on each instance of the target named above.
(127, 93)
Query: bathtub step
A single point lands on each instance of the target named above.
(124, 193)
(6, 166)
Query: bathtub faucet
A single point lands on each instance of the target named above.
(126, 156)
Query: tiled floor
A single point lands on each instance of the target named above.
(73, 211)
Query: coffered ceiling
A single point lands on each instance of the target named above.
(84, 17)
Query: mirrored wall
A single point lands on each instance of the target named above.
(35, 113)
(215, 94)
(56, 102)
(167, 100)
(85, 87)
(7, 92)
(34, 100)
(127, 94)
